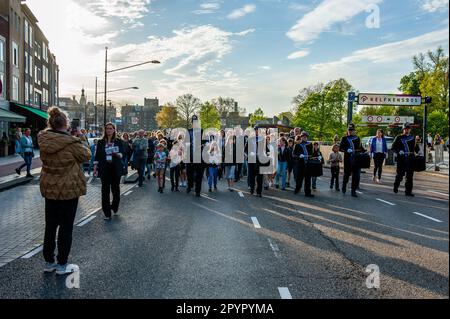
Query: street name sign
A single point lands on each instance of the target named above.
(389, 99)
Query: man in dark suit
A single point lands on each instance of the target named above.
(253, 151)
(195, 167)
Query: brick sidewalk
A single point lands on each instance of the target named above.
(22, 221)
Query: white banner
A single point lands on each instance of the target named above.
(389, 99)
(380, 119)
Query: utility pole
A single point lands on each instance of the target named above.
(106, 76)
(95, 108)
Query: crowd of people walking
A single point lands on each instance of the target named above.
(267, 158)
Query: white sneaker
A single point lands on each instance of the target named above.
(378, 181)
(66, 269)
(50, 267)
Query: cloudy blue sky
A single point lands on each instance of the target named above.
(259, 52)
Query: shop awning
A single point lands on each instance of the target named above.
(7, 116)
(39, 113)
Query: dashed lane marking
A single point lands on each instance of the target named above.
(425, 216)
(255, 222)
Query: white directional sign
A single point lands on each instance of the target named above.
(389, 99)
(380, 119)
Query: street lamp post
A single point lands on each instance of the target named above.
(120, 69)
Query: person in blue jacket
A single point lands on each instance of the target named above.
(378, 151)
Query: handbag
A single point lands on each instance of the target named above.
(362, 160)
(314, 168)
(419, 164)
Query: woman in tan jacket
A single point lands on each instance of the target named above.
(62, 182)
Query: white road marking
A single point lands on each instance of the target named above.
(284, 293)
(360, 192)
(127, 193)
(241, 194)
(87, 220)
(33, 252)
(431, 218)
(255, 222)
(438, 193)
(386, 202)
(275, 248)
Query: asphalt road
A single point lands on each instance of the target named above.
(174, 245)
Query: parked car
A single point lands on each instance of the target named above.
(389, 141)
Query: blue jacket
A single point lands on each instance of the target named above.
(373, 145)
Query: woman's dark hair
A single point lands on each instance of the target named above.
(382, 132)
(104, 137)
(283, 139)
(56, 118)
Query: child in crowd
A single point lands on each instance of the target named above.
(334, 160)
(213, 167)
(175, 160)
(160, 166)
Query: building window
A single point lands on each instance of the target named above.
(31, 93)
(45, 52)
(45, 96)
(31, 37)
(26, 31)
(37, 75)
(2, 79)
(37, 99)
(15, 56)
(26, 62)
(30, 65)
(45, 74)
(2, 50)
(27, 93)
(15, 94)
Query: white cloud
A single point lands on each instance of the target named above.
(298, 54)
(210, 6)
(128, 11)
(245, 32)
(298, 7)
(265, 67)
(324, 16)
(435, 5)
(241, 12)
(391, 52)
(207, 8)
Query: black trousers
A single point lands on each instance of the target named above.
(355, 172)
(303, 175)
(238, 171)
(175, 176)
(59, 213)
(404, 167)
(195, 176)
(334, 176)
(110, 184)
(253, 176)
(378, 160)
(141, 163)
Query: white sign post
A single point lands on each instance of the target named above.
(389, 99)
(379, 119)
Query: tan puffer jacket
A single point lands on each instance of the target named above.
(62, 155)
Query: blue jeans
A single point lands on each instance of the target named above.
(28, 158)
(314, 182)
(212, 177)
(281, 171)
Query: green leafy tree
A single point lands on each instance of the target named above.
(438, 123)
(322, 108)
(209, 116)
(168, 117)
(258, 115)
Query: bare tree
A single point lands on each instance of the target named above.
(187, 105)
